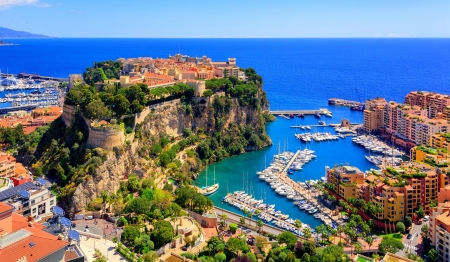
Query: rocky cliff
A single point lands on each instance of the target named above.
(170, 118)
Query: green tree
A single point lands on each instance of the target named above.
(420, 212)
(307, 233)
(400, 227)
(162, 233)
(120, 105)
(407, 221)
(390, 244)
(287, 238)
(150, 256)
(233, 227)
(130, 233)
(96, 109)
(305, 258)
(208, 93)
(433, 255)
(236, 245)
(220, 257)
(358, 248)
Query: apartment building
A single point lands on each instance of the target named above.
(440, 141)
(345, 180)
(439, 226)
(434, 103)
(30, 199)
(7, 165)
(374, 115)
(446, 113)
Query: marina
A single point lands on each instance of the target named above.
(299, 113)
(18, 93)
(252, 162)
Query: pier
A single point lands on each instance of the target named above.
(35, 77)
(298, 112)
(333, 125)
(290, 162)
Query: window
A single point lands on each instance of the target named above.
(33, 201)
(34, 210)
(52, 202)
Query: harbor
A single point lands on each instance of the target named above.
(230, 170)
(28, 93)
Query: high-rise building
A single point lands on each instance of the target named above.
(374, 115)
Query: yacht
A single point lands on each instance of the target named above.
(209, 190)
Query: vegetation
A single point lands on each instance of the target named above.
(390, 244)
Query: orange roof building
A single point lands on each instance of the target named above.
(21, 240)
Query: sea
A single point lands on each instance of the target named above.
(297, 73)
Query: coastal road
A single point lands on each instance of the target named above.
(413, 245)
(235, 218)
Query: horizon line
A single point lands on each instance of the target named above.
(113, 37)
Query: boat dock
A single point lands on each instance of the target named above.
(298, 112)
(274, 219)
(333, 125)
(290, 162)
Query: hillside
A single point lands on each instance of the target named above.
(9, 33)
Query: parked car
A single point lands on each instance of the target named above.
(89, 218)
(408, 236)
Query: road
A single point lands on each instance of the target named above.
(235, 218)
(414, 244)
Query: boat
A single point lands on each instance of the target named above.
(322, 123)
(312, 210)
(209, 190)
(317, 114)
(291, 115)
(301, 115)
(308, 127)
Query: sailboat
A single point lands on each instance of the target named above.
(209, 190)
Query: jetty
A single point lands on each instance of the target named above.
(34, 77)
(333, 125)
(290, 162)
(299, 112)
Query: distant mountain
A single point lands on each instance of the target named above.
(9, 33)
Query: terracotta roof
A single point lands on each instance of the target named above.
(4, 207)
(444, 218)
(29, 129)
(44, 243)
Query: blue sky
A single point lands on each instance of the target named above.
(232, 18)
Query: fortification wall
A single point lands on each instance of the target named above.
(105, 137)
(68, 114)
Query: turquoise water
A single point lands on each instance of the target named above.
(234, 170)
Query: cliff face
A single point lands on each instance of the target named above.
(170, 118)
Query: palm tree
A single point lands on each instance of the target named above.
(339, 230)
(242, 221)
(376, 257)
(298, 223)
(250, 215)
(369, 241)
(260, 225)
(104, 196)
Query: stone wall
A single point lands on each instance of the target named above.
(105, 137)
(68, 114)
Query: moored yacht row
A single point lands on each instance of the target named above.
(373, 145)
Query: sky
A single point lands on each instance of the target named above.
(228, 19)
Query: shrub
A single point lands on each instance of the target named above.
(129, 130)
(233, 227)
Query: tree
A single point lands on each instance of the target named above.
(287, 238)
(162, 233)
(307, 233)
(130, 233)
(305, 258)
(433, 255)
(290, 257)
(220, 257)
(96, 109)
(297, 223)
(208, 93)
(236, 245)
(407, 221)
(120, 105)
(259, 224)
(261, 242)
(400, 227)
(242, 258)
(105, 197)
(420, 212)
(333, 253)
(390, 244)
(150, 256)
(215, 245)
(358, 248)
(369, 241)
(233, 227)
(242, 221)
